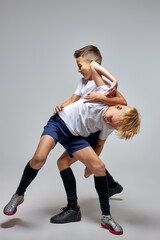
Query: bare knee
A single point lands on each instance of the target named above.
(37, 161)
(63, 163)
(99, 169)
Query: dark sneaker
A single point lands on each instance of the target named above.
(11, 207)
(115, 190)
(108, 222)
(67, 215)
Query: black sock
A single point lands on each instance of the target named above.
(70, 187)
(101, 186)
(28, 175)
(111, 182)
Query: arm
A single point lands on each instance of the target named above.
(99, 97)
(97, 72)
(73, 99)
(99, 146)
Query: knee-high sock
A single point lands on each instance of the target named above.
(101, 186)
(70, 187)
(28, 175)
(111, 181)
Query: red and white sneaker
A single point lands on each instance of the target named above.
(108, 222)
(11, 207)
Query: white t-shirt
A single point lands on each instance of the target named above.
(82, 119)
(86, 86)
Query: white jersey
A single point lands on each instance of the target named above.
(82, 119)
(86, 86)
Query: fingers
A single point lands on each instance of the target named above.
(87, 96)
(87, 173)
(110, 92)
(58, 109)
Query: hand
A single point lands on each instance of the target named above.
(87, 172)
(112, 90)
(58, 109)
(92, 97)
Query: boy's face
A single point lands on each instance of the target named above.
(113, 115)
(84, 68)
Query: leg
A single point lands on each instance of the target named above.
(72, 212)
(114, 187)
(91, 160)
(65, 161)
(68, 179)
(95, 165)
(45, 145)
(85, 155)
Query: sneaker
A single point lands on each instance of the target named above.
(115, 190)
(67, 215)
(11, 207)
(108, 222)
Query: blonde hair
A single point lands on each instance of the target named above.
(129, 124)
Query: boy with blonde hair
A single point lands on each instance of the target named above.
(65, 127)
(126, 121)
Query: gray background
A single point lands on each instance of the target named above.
(38, 71)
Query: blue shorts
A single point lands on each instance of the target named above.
(57, 129)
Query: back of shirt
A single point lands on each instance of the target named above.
(82, 119)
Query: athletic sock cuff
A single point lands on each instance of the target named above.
(100, 182)
(66, 172)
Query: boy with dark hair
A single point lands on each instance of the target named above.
(84, 56)
(87, 86)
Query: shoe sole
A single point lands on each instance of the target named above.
(14, 211)
(65, 222)
(111, 231)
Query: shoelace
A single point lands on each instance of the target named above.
(63, 209)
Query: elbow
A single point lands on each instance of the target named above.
(124, 102)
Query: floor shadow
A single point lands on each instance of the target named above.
(141, 219)
(16, 222)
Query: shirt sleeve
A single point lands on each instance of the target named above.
(78, 91)
(105, 133)
(102, 89)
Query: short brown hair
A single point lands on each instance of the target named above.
(89, 52)
(130, 123)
